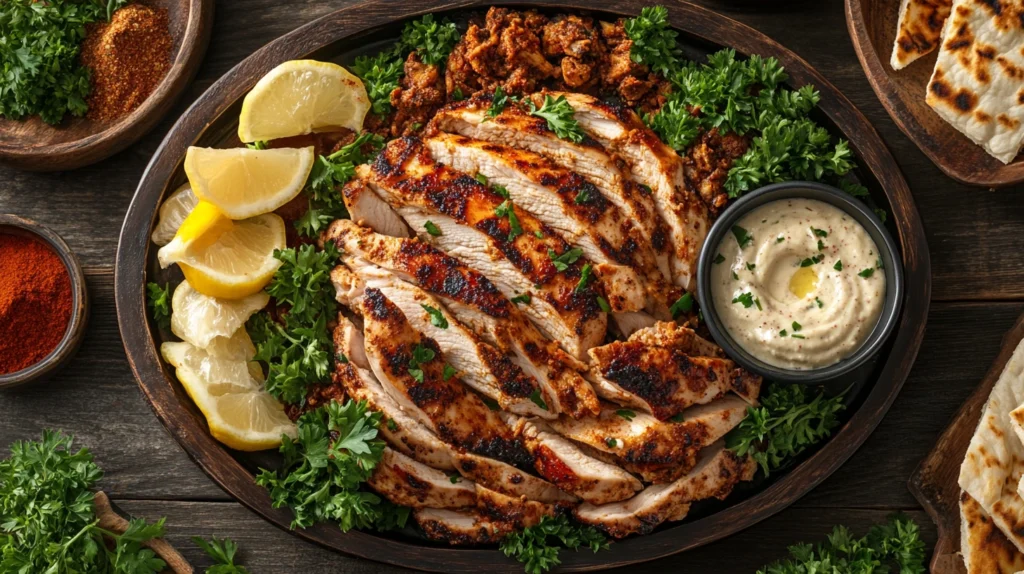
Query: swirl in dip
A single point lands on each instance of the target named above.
(798, 284)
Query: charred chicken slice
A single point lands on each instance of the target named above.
(365, 207)
(675, 336)
(487, 232)
(461, 527)
(509, 480)
(406, 482)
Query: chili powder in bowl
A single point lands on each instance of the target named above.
(43, 302)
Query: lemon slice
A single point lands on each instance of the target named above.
(241, 262)
(300, 97)
(202, 320)
(203, 227)
(230, 395)
(244, 182)
(173, 212)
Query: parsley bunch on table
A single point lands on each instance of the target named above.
(537, 547)
(896, 543)
(47, 518)
(324, 468)
(39, 46)
(788, 421)
(223, 554)
(328, 174)
(297, 348)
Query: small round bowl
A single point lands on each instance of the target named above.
(856, 209)
(68, 346)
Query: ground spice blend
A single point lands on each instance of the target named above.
(35, 301)
(128, 56)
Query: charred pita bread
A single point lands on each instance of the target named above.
(994, 462)
(978, 81)
(984, 548)
(919, 30)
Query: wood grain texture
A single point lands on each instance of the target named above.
(338, 36)
(872, 26)
(32, 144)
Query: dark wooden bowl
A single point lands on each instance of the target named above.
(369, 26)
(34, 145)
(68, 346)
(872, 25)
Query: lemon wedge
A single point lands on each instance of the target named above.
(301, 97)
(239, 263)
(244, 182)
(173, 212)
(201, 228)
(230, 395)
(207, 322)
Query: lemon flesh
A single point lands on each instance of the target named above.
(301, 97)
(173, 212)
(202, 228)
(244, 182)
(240, 262)
(207, 321)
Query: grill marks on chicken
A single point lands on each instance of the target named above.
(406, 482)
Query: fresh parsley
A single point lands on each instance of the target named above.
(563, 261)
(585, 275)
(718, 259)
(561, 118)
(420, 356)
(436, 316)
(432, 228)
(838, 266)
(523, 298)
(603, 304)
(653, 40)
(797, 326)
(498, 103)
(788, 421)
(611, 442)
(380, 75)
(448, 372)
(432, 41)
(866, 273)
(538, 399)
(742, 236)
(537, 547)
(158, 299)
(507, 209)
(324, 468)
(746, 299)
(223, 554)
(626, 414)
(327, 175)
(684, 304)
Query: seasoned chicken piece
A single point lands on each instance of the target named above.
(406, 482)
(461, 527)
(564, 464)
(676, 336)
(487, 232)
(664, 381)
(476, 302)
(478, 364)
(643, 439)
(654, 164)
(403, 433)
(421, 90)
(367, 208)
(515, 127)
(411, 368)
(575, 208)
(707, 163)
(716, 474)
(510, 480)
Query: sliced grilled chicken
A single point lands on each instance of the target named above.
(406, 482)
(574, 207)
(637, 437)
(509, 480)
(665, 381)
(517, 510)
(716, 474)
(477, 303)
(565, 465)
(467, 214)
(654, 164)
(403, 433)
(410, 366)
(461, 527)
(517, 128)
(367, 208)
(479, 365)
(675, 336)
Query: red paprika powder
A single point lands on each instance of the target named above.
(35, 301)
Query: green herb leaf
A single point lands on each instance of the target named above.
(257, 145)
(158, 299)
(746, 299)
(524, 299)
(448, 372)
(223, 554)
(838, 266)
(718, 259)
(611, 442)
(866, 273)
(795, 336)
(538, 234)
(538, 400)
(507, 209)
(603, 304)
(537, 547)
(783, 333)
(436, 316)
(380, 75)
(751, 266)
(626, 414)
(742, 237)
(683, 304)
(819, 232)
(432, 228)
(797, 326)
(455, 478)
(654, 41)
(678, 418)
(819, 303)
(327, 176)
(420, 355)
(498, 103)
(432, 41)
(563, 261)
(481, 178)
(585, 274)
(560, 116)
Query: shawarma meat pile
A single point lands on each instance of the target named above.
(507, 304)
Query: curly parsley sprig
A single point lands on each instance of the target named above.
(654, 42)
(158, 299)
(537, 547)
(560, 116)
(432, 41)
(328, 174)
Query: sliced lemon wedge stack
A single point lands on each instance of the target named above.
(230, 394)
(301, 97)
(207, 322)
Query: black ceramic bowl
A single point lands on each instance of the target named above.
(892, 262)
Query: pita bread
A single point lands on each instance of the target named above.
(985, 549)
(919, 30)
(994, 462)
(978, 81)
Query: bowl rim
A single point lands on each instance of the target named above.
(72, 338)
(888, 251)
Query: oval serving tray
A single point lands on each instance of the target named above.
(365, 27)
(872, 26)
(34, 145)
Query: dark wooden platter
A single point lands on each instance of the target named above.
(33, 144)
(371, 25)
(935, 482)
(872, 26)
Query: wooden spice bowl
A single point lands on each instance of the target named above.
(68, 346)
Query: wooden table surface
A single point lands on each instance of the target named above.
(978, 291)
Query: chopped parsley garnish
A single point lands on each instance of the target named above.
(507, 209)
(420, 355)
(757, 302)
(746, 299)
(432, 228)
(538, 234)
(392, 425)
(327, 175)
(783, 333)
(538, 400)
(742, 237)
(582, 196)
(436, 316)
(257, 145)
(481, 178)
(563, 261)
(678, 418)
(818, 301)
(537, 547)
(819, 232)
(524, 298)
(821, 245)
(457, 95)
(838, 266)
(797, 326)
(491, 403)
(341, 357)
(718, 259)
(158, 299)
(610, 442)
(448, 372)
(735, 276)
(867, 272)
(646, 188)
(795, 336)
(812, 260)
(501, 190)
(780, 239)
(455, 478)
(751, 266)
(380, 75)
(683, 304)
(584, 277)
(498, 103)
(603, 304)
(626, 414)
(560, 116)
